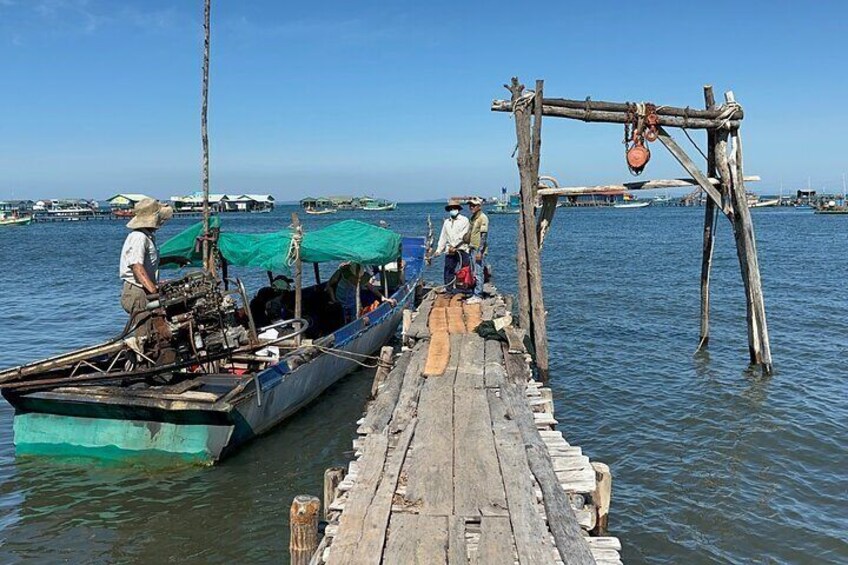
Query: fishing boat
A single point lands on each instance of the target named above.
(320, 211)
(379, 206)
(6, 220)
(217, 369)
(507, 204)
(632, 204)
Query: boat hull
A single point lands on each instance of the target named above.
(110, 426)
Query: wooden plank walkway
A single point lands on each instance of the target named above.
(464, 465)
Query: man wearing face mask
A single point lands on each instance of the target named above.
(453, 241)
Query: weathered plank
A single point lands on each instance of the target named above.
(409, 392)
(353, 517)
(495, 546)
(457, 548)
(570, 543)
(478, 486)
(494, 371)
(429, 470)
(530, 532)
(419, 328)
(380, 411)
(376, 521)
(415, 539)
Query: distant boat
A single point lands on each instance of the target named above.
(380, 206)
(261, 211)
(14, 220)
(632, 204)
(123, 213)
(504, 208)
(764, 203)
(320, 212)
(831, 207)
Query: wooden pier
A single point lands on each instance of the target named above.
(458, 459)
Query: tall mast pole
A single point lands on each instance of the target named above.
(207, 262)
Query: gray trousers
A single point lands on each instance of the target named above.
(134, 303)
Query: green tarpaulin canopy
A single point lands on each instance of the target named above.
(349, 240)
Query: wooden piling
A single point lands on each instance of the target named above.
(710, 214)
(602, 496)
(332, 477)
(385, 365)
(746, 251)
(529, 264)
(303, 520)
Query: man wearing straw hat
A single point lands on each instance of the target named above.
(140, 258)
(478, 242)
(453, 241)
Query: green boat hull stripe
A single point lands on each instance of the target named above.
(41, 432)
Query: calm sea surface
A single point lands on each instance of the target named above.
(711, 463)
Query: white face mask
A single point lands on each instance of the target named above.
(454, 213)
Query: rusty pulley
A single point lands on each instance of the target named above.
(643, 120)
(638, 155)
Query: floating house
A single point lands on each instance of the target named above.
(16, 205)
(337, 202)
(224, 202)
(125, 201)
(600, 198)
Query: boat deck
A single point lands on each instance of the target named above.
(465, 465)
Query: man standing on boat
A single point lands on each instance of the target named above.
(478, 242)
(139, 264)
(453, 241)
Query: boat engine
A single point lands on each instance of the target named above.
(202, 319)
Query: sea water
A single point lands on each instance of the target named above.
(711, 462)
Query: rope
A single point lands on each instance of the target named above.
(727, 110)
(294, 248)
(351, 356)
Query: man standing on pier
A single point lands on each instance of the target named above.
(139, 264)
(453, 241)
(478, 242)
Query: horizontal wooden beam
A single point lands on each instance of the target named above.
(639, 185)
(600, 116)
(734, 112)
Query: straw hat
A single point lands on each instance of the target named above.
(475, 201)
(453, 203)
(150, 214)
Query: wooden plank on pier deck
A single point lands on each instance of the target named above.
(570, 543)
(415, 538)
(456, 320)
(495, 546)
(430, 469)
(517, 479)
(478, 486)
(457, 548)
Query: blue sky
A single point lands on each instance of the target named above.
(392, 98)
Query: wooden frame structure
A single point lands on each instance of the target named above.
(724, 183)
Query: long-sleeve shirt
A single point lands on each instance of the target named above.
(454, 234)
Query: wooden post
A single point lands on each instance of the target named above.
(407, 322)
(303, 521)
(746, 251)
(602, 496)
(297, 238)
(317, 270)
(332, 477)
(534, 264)
(710, 212)
(385, 365)
(522, 130)
(529, 267)
(204, 137)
